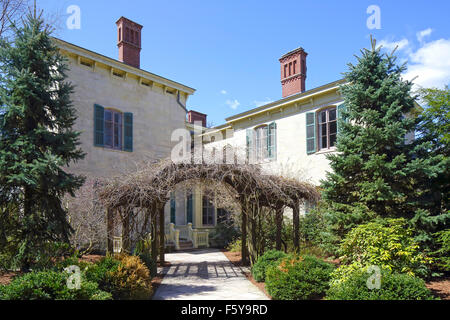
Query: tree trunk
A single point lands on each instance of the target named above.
(296, 226)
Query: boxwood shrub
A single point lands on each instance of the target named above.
(298, 278)
(268, 259)
(394, 286)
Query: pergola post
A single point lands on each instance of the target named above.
(244, 253)
(154, 241)
(162, 234)
(109, 230)
(296, 225)
(279, 225)
(126, 243)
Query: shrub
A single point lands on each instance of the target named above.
(235, 246)
(442, 254)
(394, 286)
(131, 280)
(268, 259)
(50, 285)
(384, 242)
(298, 278)
(223, 234)
(101, 271)
(143, 251)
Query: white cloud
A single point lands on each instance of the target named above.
(263, 102)
(233, 104)
(391, 45)
(430, 64)
(424, 33)
(223, 91)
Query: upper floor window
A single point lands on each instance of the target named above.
(322, 129)
(327, 123)
(113, 129)
(261, 143)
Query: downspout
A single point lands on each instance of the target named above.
(179, 102)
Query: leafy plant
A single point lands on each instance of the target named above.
(442, 254)
(235, 246)
(384, 242)
(131, 280)
(298, 278)
(268, 259)
(394, 286)
(50, 285)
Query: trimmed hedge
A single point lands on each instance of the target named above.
(394, 286)
(299, 278)
(268, 259)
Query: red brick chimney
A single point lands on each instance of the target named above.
(196, 116)
(129, 42)
(293, 72)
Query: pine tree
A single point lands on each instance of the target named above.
(371, 166)
(37, 142)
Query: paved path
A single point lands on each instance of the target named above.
(205, 275)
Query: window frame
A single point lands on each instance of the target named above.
(120, 129)
(327, 125)
(210, 212)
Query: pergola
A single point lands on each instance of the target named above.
(147, 190)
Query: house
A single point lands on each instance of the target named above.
(127, 115)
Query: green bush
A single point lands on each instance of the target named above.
(384, 242)
(223, 234)
(298, 278)
(394, 286)
(268, 259)
(100, 272)
(131, 280)
(143, 251)
(442, 254)
(235, 246)
(50, 285)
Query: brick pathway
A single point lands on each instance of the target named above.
(204, 275)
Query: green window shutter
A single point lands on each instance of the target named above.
(311, 132)
(189, 208)
(99, 125)
(340, 116)
(172, 208)
(128, 131)
(249, 147)
(272, 141)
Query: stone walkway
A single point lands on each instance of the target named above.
(204, 275)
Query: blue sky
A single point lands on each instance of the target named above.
(228, 49)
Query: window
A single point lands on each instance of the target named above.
(189, 207)
(327, 126)
(294, 66)
(173, 207)
(208, 212)
(261, 143)
(113, 129)
(322, 128)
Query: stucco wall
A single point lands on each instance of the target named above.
(155, 115)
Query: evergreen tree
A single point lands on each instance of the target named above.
(373, 153)
(37, 141)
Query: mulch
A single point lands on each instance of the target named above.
(235, 259)
(440, 287)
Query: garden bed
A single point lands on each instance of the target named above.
(440, 287)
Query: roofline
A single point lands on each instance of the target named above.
(290, 99)
(125, 67)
